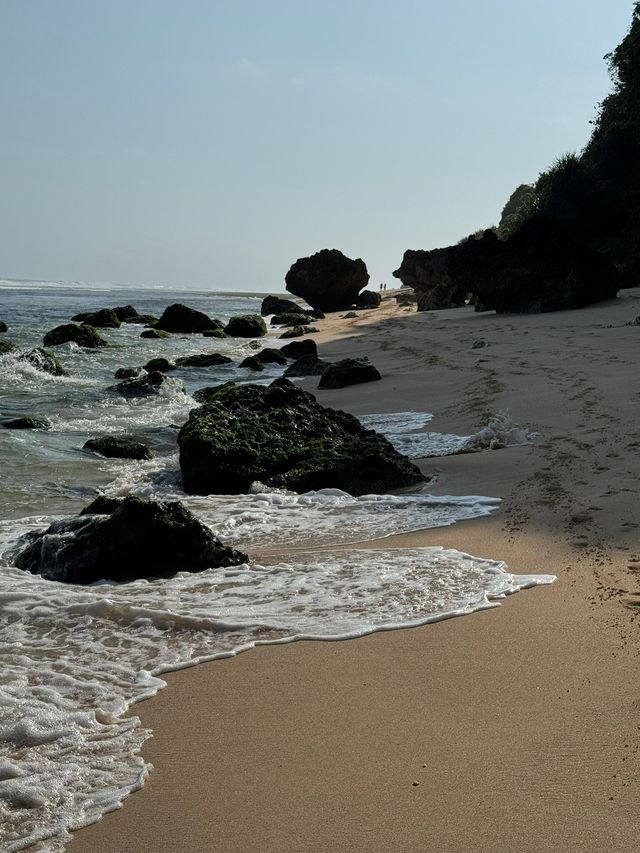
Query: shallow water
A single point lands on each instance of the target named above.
(73, 660)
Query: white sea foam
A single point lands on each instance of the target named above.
(75, 658)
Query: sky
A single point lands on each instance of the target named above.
(208, 144)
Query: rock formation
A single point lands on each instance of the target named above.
(328, 280)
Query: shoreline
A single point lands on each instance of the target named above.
(525, 715)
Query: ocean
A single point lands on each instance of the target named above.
(75, 659)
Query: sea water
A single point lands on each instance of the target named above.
(74, 659)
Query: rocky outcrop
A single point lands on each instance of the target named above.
(280, 436)
(539, 268)
(122, 540)
(328, 280)
(105, 318)
(44, 360)
(276, 305)
(349, 371)
(83, 335)
(204, 359)
(369, 299)
(307, 365)
(181, 318)
(26, 422)
(246, 326)
(118, 447)
(147, 385)
(296, 349)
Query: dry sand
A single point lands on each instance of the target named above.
(520, 724)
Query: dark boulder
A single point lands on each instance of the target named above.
(214, 333)
(122, 540)
(44, 360)
(162, 365)
(181, 318)
(280, 436)
(153, 383)
(269, 355)
(26, 422)
(83, 335)
(293, 332)
(105, 318)
(296, 349)
(3, 326)
(204, 359)
(126, 313)
(154, 334)
(349, 371)
(297, 319)
(350, 315)
(428, 273)
(368, 299)
(118, 447)
(276, 305)
(327, 280)
(126, 373)
(317, 314)
(307, 365)
(142, 320)
(252, 362)
(246, 326)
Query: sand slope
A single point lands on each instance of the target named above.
(521, 724)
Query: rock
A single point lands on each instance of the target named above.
(246, 326)
(142, 320)
(349, 371)
(26, 422)
(126, 373)
(280, 436)
(269, 355)
(214, 333)
(406, 297)
(154, 334)
(479, 343)
(295, 332)
(6, 346)
(368, 299)
(44, 360)
(296, 349)
(276, 305)
(349, 316)
(126, 313)
(205, 359)
(83, 335)
(307, 365)
(317, 314)
(327, 280)
(121, 540)
(309, 330)
(211, 392)
(105, 318)
(538, 268)
(162, 365)
(118, 447)
(297, 319)
(427, 272)
(181, 318)
(3, 326)
(252, 362)
(146, 386)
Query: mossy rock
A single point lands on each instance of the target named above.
(296, 349)
(122, 540)
(294, 332)
(214, 333)
(181, 318)
(7, 346)
(307, 365)
(126, 373)
(252, 362)
(205, 359)
(162, 365)
(118, 447)
(27, 422)
(291, 319)
(212, 392)
(43, 359)
(246, 326)
(83, 335)
(280, 436)
(146, 386)
(349, 371)
(105, 318)
(270, 355)
(154, 333)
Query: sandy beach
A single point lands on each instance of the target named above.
(514, 729)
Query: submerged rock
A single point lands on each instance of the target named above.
(296, 349)
(214, 333)
(142, 320)
(154, 334)
(44, 360)
(327, 280)
(118, 447)
(276, 305)
(146, 386)
(3, 326)
(181, 318)
(307, 365)
(126, 373)
(280, 436)
(162, 365)
(349, 371)
(6, 346)
(252, 362)
(205, 359)
(26, 422)
(122, 540)
(83, 335)
(246, 326)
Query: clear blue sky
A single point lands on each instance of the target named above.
(210, 143)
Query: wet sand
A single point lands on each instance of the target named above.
(519, 724)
